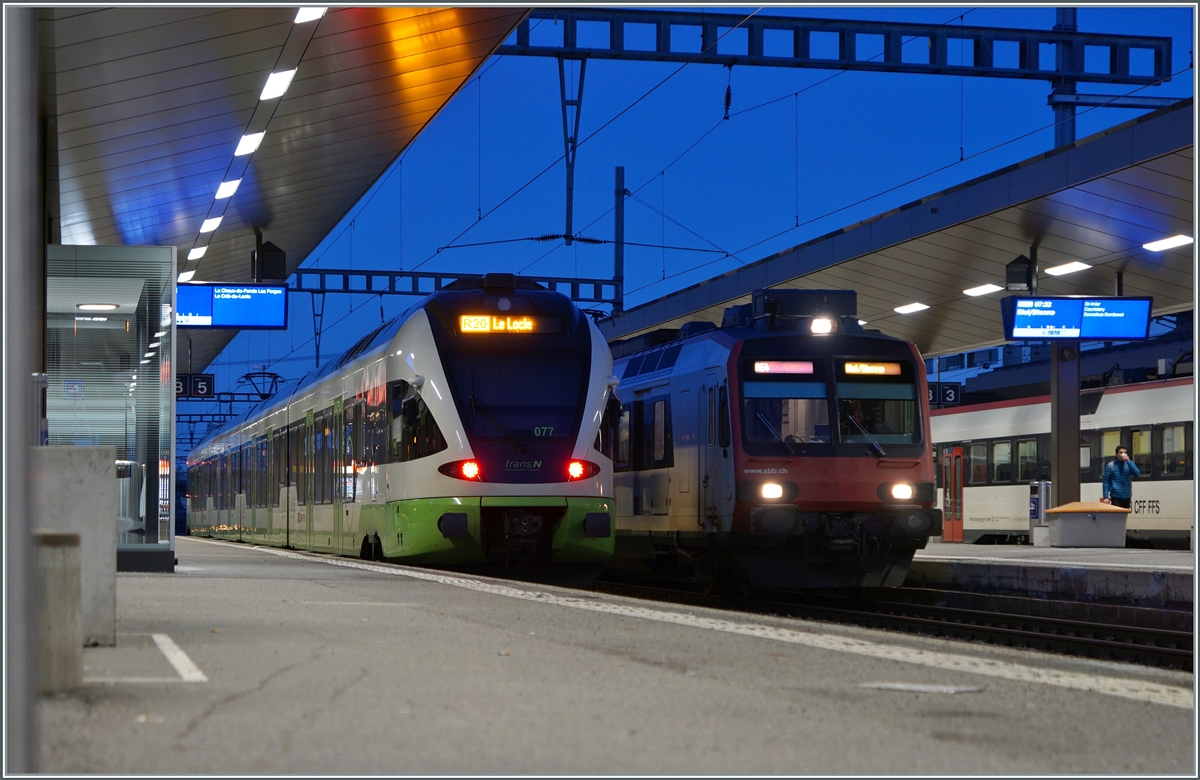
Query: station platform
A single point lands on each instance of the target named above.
(248, 660)
(1134, 577)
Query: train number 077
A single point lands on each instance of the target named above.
(544, 431)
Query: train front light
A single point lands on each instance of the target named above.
(463, 469)
(902, 491)
(821, 325)
(581, 469)
(772, 490)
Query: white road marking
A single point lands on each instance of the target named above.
(920, 687)
(1047, 562)
(187, 670)
(1136, 690)
(138, 680)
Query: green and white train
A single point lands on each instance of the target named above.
(467, 432)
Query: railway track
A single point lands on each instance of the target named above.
(1151, 637)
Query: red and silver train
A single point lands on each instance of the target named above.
(787, 448)
(989, 453)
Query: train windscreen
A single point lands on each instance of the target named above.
(519, 396)
(877, 402)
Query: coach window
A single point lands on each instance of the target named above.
(1002, 461)
(1027, 460)
(1174, 451)
(350, 450)
(1109, 440)
(978, 463)
(622, 453)
(1140, 450)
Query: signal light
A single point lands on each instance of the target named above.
(469, 469)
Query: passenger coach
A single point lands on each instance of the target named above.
(464, 432)
(786, 448)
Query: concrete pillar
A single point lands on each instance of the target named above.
(74, 489)
(23, 255)
(58, 602)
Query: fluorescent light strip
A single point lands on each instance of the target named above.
(277, 84)
(309, 14)
(909, 308)
(185, 276)
(1067, 268)
(197, 253)
(210, 224)
(982, 289)
(227, 189)
(1168, 243)
(248, 144)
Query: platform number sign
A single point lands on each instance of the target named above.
(194, 386)
(945, 393)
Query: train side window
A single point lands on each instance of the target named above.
(349, 474)
(1174, 451)
(1108, 447)
(1141, 451)
(1027, 463)
(623, 433)
(1002, 461)
(977, 458)
(322, 458)
(724, 435)
(660, 430)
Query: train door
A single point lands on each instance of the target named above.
(710, 478)
(952, 481)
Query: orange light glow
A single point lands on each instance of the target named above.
(470, 469)
(876, 369)
(575, 470)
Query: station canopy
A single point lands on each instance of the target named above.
(146, 106)
(1095, 202)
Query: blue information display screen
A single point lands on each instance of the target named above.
(1076, 317)
(245, 306)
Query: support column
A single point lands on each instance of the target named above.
(619, 243)
(1066, 59)
(1064, 421)
(24, 254)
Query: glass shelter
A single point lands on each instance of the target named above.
(110, 337)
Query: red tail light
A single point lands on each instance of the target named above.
(580, 469)
(463, 469)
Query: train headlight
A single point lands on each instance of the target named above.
(772, 490)
(821, 325)
(902, 491)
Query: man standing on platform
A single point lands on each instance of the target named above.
(1118, 479)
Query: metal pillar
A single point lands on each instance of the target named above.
(619, 243)
(23, 261)
(570, 134)
(1064, 421)
(318, 312)
(1068, 59)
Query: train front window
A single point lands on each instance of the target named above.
(791, 412)
(518, 397)
(877, 402)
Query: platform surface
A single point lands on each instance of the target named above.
(1181, 561)
(253, 661)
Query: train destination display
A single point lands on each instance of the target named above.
(1076, 317)
(243, 306)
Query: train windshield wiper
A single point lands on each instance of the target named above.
(775, 433)
(478, 408)
(878, 451)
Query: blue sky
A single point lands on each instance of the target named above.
(824, 148)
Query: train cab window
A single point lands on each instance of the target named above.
(784, 403)
(1002, 461)
(877, 402)
(1174, 451)
(977, 464)
(1027, 460)
(1140, 450)
(415, 434)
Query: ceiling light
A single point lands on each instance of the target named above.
(248, 144)
(91, 319)
(148, 355)
(1068, 268)
(309, 13)
(186, 276)
(210, 224)
(96, 306)
(277, 84)
(982, 289)
(1167, 243)
(160, 334)
(909, 308)
(153, 344)
(144, 361)
(196, 254)
(862, 322)
(227, 188)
